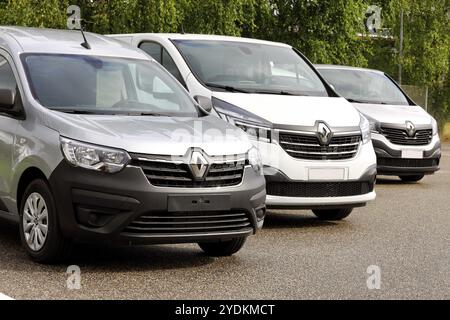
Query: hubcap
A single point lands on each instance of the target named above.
(35, 221)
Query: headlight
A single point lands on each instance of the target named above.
(254, 131)
(373, 126)
(94, 157)
(435, 127)
(257, 128)
(365, 129)
(254, 159)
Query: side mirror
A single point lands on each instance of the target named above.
(7, 98)
(204, 102)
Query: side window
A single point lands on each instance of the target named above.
(157, 52)
(170, 65)
(7, 80)
(153, 49)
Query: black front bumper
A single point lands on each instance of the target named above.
(100, 207)
(390, 161)
(278, 184)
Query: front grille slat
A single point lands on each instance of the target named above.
(224, 173)
(155, 168)
(183, 217)
(319, 189)
(148, 223)
(321, 153)
(198, 227)
(185, 222)
(400, 136)
(304, 146)
(151, 177)
(224, 170)
(221, 178)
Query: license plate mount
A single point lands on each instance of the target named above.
(198, 203)
(326, 174)
(412, 154)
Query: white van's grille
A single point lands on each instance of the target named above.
(302, 146)
(400, 136)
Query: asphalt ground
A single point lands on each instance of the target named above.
(405, 234)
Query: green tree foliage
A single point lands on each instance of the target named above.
(426, 48)
(48, 13)
(326, 31)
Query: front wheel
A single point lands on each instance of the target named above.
(333, 214)
(39, 227)
(223, 249)
(414, 178)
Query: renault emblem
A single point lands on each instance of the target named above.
(410, 129)
(324, 133)
(199, 165)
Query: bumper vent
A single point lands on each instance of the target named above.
(408, 163)
(308, 147)
(400, 137)
(319, 189)
(189, 223)
(178, 175)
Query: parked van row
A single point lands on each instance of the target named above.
(164, 138)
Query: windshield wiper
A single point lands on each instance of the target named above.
(77, 111)
(365, 102)
(281, 93)
(226, 88)
(355, 101)
(149, 114)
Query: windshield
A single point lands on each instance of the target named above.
(104, 85)
(364, 86)
(249, 67)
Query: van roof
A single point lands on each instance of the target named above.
(187, 36)
(338, 67)
(42, 40)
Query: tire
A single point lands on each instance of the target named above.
(414, 178)
(41, 246)
(223, 249)
(333, 214)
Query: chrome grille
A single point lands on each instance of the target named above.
(178, 174)
(400, 136)
(302, 146)
(188, 222)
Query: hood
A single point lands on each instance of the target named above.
(295, 110)
(395, 114)
(152, 135)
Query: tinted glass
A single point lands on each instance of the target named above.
(251, 67)
(7, 80)
(106, 85)
(364, 86)
(152, 49)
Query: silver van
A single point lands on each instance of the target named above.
(99, 143)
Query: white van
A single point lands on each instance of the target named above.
(316, 147)
(405, 136)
